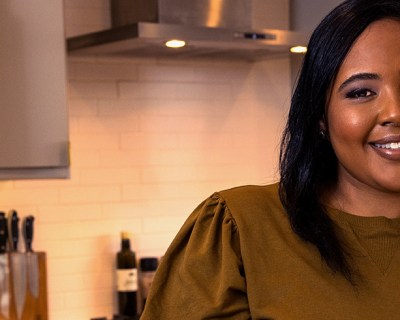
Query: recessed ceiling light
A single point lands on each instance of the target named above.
(175, 43)
(298, 49)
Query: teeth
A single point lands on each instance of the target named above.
(393, 145)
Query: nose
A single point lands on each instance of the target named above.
(390, 110)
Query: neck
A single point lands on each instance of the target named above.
(361, 200)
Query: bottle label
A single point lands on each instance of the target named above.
(127, 280)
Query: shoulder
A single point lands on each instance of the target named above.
(252, 197)
(255, 212)
(253, 204)
(251, 192)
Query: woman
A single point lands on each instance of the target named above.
(323, 243)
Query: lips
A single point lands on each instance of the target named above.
(388, 147)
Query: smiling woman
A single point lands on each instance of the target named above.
(363, 123)
(324, 242)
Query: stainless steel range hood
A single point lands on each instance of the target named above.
(215, 29)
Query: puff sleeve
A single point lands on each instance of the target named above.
(201, 275)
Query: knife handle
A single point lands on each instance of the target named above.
(13, 232)
(27, 229)
(3, 233)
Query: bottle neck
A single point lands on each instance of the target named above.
(125, 244)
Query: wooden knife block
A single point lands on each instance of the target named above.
(33, 308)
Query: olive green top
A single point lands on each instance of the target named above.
(236, 257)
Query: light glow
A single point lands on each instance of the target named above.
(175, 43)
(298, 49)
(214, 13)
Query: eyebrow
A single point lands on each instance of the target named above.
(359, 76)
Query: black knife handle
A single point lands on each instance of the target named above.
(3, 233)
(13, 232)
(27, 229)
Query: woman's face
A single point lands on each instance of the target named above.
(363, 111)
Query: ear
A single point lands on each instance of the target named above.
(322, 125)
(323, 130)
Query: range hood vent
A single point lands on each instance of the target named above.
(214, 29)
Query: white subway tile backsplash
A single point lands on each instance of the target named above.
(57, 301)
(98, 246)
(90, 194)
(157, 243)
(84, 159)
(226, 73)
(163, 224)
(166, 73)
(149, 140)
(205, 141)
(188, 107)
(122, 107)
(103, 228)
(94, 141)
(81, 89)
(205, 91)
(161, 90)
(53, 248)
(128, 158)
(125, 210)
(178, 191)
(89, 298)
(108, 124)
(150, 208)
(106, 176)
(88, 312)
(249, 92)
(178, 156)
(87, 264)
(29, 196)
(201, 173)
(165, 123)
(79, 282)
(148, 192)
(102, 71)
(70, 213)
(82, 107)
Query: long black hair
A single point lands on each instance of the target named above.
(307, 160)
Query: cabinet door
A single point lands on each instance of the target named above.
(33, 111)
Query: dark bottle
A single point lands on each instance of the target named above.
(127, 279)
(148, 267)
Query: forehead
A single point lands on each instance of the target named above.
(377, 47)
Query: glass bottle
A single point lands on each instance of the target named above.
(127, 278)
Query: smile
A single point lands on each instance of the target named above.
(392, 145)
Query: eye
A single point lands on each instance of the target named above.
(360, 93)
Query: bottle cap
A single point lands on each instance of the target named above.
(126, 235)
(148, 264)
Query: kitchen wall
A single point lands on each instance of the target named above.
(150, 139)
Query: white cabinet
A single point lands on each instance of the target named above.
(33, 110)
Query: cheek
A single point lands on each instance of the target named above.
(351, 126)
